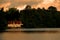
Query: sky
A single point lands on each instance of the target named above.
(20, 4)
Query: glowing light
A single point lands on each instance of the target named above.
(48, 1)
(21, 7)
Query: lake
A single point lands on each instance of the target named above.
(30, 36)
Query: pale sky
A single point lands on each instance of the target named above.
(20, 4)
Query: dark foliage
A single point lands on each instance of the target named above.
(3, 22)
(31, 18)
(40, 18)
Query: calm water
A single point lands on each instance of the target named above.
(29, 36)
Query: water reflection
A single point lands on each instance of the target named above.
(29, 36)
(1, 36)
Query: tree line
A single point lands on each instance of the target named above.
(31, 17)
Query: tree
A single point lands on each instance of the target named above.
(52, 8)
(3, 21)
(30, 18)
(12, 14)
(52, 17)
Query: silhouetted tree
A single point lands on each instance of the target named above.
(3, 21)
(31, 17)
(40, 18)
(12, 14)
(52, 17)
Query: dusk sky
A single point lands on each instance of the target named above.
(20, 4)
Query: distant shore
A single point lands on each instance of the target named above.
(37, 30)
